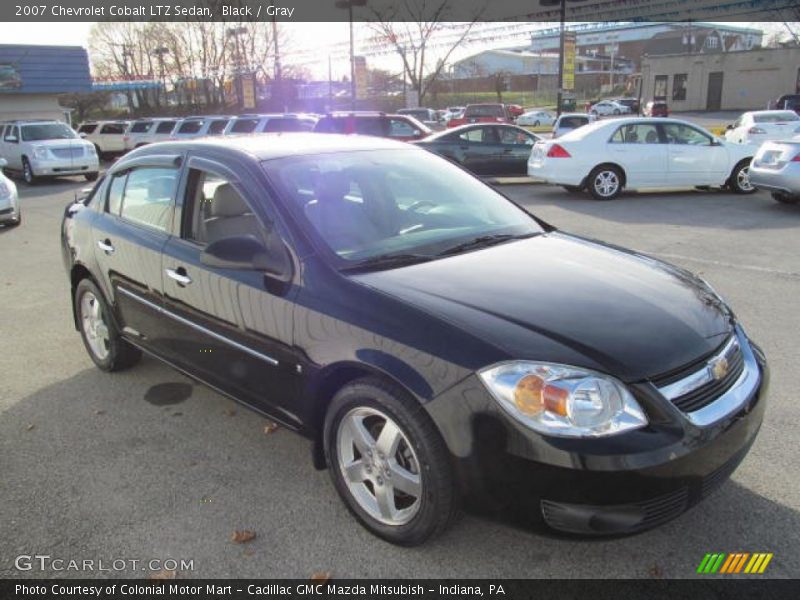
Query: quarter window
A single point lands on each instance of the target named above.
(147, 199)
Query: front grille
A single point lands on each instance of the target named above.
(67, 152)
(707, 393)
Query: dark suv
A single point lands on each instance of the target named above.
(368, 294)
(398, 127)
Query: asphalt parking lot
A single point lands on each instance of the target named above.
(93, 467)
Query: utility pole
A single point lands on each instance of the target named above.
(160, 52)
(278, 85)
(562, 19)
(349, 4)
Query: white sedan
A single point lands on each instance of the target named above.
(606, 156)
(10, 213)
(608, 107)
(535, 118)
(759, 126)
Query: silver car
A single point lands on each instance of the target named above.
(776, 167)
(10, 214)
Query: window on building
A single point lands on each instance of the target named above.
(712, 41)
(679, 86)
(660, 86)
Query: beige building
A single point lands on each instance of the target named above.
(724, 81)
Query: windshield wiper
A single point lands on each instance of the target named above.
(389, 261)
(484, 241)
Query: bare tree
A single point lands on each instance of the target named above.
(411, 28)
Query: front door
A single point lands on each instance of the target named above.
(714, 98)
(514, 151)
(229, 327)
(694, 157)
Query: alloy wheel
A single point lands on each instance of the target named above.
(743, 179)
(606, 183)
(379, 466)
(94, 326)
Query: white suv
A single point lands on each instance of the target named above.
(147, 131)
(46, 149)
(107, 136)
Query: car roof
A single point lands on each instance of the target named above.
(445, 132)
(268, 146)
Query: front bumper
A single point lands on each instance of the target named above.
(9, 209)
(786, 179)
(54, 167)
(615, 485)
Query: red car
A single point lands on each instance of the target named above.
(398, 127)
(482, 113)
(656, 108)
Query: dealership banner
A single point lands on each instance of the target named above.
(390, 10)
(392, 589)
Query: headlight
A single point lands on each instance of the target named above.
(562, 400)
(90, 149)
(40, 152)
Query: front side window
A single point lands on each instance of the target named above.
(147, 199)
(678, 133)
(638, 133)
(679, 86)
(47, 131)
(515, 137)
(165, 127)
(216, 210)
(363, 205)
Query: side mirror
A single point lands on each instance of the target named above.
(247, 252)
(3, 162)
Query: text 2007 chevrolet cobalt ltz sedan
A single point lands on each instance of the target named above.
(436, 343)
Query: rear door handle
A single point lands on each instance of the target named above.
(105, 246)
(179, 275)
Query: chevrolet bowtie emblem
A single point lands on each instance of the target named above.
(719, 367)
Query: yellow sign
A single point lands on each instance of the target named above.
(248, 91)
(568, 81)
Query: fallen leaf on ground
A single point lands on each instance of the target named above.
(163, 574)
(321, 576)
(270, 427)
(177, 414)
(30, 426)
(229, 412)
(100, 412)
(242, 537)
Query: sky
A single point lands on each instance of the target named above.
(320, 36)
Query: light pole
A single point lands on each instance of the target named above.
(278, 86)
(160, 52)
(349, 4)
(235, 32)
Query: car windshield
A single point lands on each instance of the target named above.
(776, 117)
(47, 131)
(379, 203)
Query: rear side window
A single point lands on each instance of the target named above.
(372, 126)
(165, 127)
(147, 199)
(217, 127)
(141, 127)
(87, 128)
(244, 126)
(190, 126)
(113, 128)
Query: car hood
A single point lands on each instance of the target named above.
(62, 143)
(560, 298)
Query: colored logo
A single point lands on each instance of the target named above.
(738, 562)
(719, 368)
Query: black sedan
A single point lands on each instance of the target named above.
(432, 340)
(485, 149)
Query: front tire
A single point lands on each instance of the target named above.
(605, 182)
(27, 172)
(100, 335)
(785, 198)
(739, 181)
(388, 463)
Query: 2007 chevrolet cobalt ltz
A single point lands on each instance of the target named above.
(436, 343)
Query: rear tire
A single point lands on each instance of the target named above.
(400, 486)
(99, 332)
(785, 198)
(739, 181)
(605, 182)
(27, 172)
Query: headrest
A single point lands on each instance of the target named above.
(227, 202)
(332, 186)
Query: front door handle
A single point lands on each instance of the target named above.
(106, 246)
(179, 275)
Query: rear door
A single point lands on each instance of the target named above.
(638, 147)
(230, 327)
(128, 237)
(480, 148)
(110, 138)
